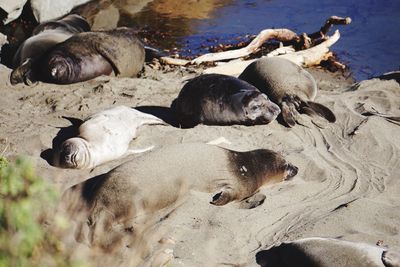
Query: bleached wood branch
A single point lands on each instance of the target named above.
(174, 61)
(307, 57)
(314, 55)
(265, 35)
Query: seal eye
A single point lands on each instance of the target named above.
(254, 108)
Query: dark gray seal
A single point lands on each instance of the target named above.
(289, 86)
(90, 54)
(216, 99)
(44, 37)
(323, 252)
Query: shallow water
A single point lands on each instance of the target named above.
(369, 45)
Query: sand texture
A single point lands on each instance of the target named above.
(348, 184)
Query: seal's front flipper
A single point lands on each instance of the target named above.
(252, 201)
(74, 121)
(23, 73)
(223, 197)
(288, 114)
(109, 56)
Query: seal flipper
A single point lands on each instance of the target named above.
(74, 121)
(321, 110)
(253, 201)
(391, 258)
(288, 113)
(223, 197)
(108, 56)
(23, 73)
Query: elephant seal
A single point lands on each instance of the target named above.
(103, 137)
(44, 37)
(323, 252)
(289, 86)
(217, 99)
(158, 179)
(90, 54)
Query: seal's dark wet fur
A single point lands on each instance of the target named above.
(216, 99)
(87, 55)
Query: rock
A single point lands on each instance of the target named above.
(106, 19)
(13, 8)
(3, 41)
(44, 10)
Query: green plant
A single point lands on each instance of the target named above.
(26, 239)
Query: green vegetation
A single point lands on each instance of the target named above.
(27, 237)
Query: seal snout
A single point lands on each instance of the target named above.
(67, 156)
(273, 109)
(290, 171)
(260, 108)
(59, 70)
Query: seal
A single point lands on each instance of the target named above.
(157, 180)
(289, 86)
(319, 252)
(217, 99)
(90, 54)
(44, 37)
(103, 137)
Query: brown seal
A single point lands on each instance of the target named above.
(217, 99)
(289, 86)
(44, 36)
(160, 178)
(90, 54)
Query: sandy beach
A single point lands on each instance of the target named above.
(347, 187)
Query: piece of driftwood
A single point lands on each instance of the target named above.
(308, 57)
(303, 41)
(305, 49)
(283, 35)
(174, 61)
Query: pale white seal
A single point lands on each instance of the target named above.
(103, 137)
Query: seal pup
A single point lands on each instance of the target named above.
(289, 86)
(90, 54)
(217, 99)
(103, 137)
(324, 252)
(159, 179)
(44, 37)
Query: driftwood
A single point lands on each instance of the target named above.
(303, 41)
(311, 48)
(305, 58)
(265, 35)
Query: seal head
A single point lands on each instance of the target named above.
(74, 153)
(256, 107)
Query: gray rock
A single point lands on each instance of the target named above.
(13, 9)
(44, 10)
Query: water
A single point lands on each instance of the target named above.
(369, 45)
